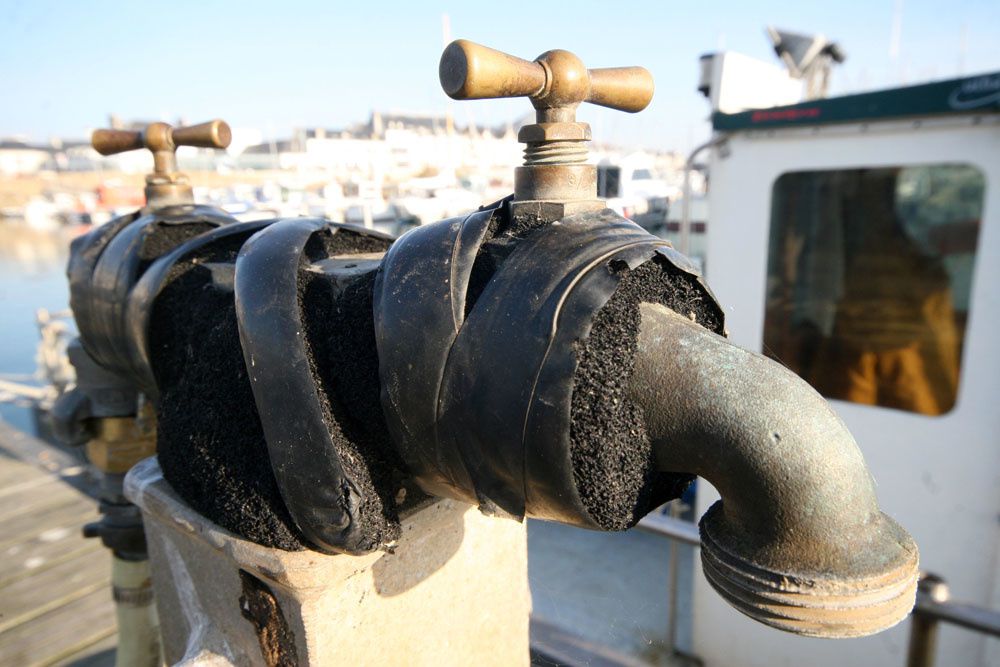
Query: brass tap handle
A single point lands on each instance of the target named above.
(555, 80)
(213, 134)
(161, 137)
(111, 142)
(470, 71)
(166, 186)
(623, 88)
(556, 177)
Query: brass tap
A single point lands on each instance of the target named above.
(557, 82)
(165, 186)
(121, 442)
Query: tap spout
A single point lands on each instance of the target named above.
(797, 541)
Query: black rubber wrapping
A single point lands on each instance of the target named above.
(139, 309)
(419, 310)
(106, 263)
(478, 324)
(85, 251)
(480, 405)
(321, 498)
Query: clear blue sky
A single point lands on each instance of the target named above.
(284, 63)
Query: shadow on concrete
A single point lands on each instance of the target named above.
(420, 553)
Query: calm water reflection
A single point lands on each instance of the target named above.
(32, 276)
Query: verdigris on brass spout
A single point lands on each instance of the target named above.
(798, 541)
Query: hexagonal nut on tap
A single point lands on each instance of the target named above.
(557, 82)
(165, 186)
(539, 132)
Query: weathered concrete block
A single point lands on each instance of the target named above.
(453, 592)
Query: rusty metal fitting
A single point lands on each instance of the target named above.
(165, 186)
(121, 442)
(557, 82)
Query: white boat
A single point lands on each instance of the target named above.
(857, 240)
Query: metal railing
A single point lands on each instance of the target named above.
(684, 532)
(933, 605)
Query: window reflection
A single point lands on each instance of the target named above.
(869, 277)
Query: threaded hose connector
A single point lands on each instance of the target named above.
(555, 152)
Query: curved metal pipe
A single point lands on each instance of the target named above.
(798, 541)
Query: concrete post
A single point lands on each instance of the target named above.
(453, 592)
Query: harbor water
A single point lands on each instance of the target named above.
(32, 276)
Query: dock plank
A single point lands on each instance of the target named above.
(13, 471)
(35, 495)
(61, 632)
(30, 597)
(55, 595)
(67, 513)
(34, 556)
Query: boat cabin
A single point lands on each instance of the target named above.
(856, 240)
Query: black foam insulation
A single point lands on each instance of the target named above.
(212, 448)
(614, 466)
(613, 460)
(341, 335)
(211, 445)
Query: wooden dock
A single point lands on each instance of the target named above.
(55, 592)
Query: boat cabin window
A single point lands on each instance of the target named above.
(869, 277)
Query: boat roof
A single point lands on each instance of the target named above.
(967, 95)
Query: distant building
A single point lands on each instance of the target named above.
(390, 147)
(268, 155)
(76, 156)
(392, 151)
(17, 157)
